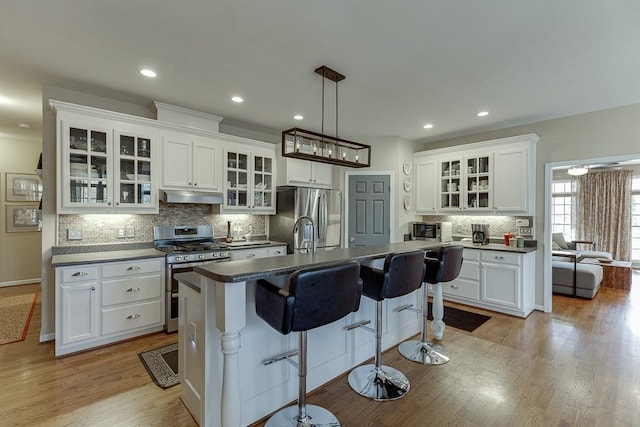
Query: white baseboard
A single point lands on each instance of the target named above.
(47, 337)
(21, 282)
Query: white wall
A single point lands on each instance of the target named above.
(19, 263)
(607, 133)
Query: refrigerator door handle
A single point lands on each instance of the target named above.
(325, 221)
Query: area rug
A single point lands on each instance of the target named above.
(162, 365)
(15, 314)
(460, 319)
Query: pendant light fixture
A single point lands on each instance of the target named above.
(317, 147)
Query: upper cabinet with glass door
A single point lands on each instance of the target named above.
(104, 165)
(479, 182)
(250, 177)
(450, 189)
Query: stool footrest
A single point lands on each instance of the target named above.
(359, 324)
(284, 356)
(407, 307)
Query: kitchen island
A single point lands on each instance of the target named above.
(223, 342)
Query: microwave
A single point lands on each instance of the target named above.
(436, 231)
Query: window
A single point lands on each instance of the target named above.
(635, 219)
(563, 208)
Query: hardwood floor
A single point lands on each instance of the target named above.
(579, 365)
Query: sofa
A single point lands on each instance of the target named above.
(560, 244)
(588, 277)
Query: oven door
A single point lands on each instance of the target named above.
(172, 291)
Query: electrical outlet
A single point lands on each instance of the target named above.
(120, 233)
(131, 231)
(74, 233)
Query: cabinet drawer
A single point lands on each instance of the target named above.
(470, 270)
(249, 254)
(131, 317)
(278, 251)
(129, 268)
(462, 288)
(471, 254)
(79, 274)
(500, 257)
(121, 291)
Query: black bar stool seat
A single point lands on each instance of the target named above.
(315, 297)
(441, 266)
(402, 274)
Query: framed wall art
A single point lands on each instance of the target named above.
(22, 218)
(23, 187)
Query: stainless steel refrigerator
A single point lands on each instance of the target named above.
(324, 207)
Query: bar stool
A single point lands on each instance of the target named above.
(315, 297)
(442, 266)
(402, 274)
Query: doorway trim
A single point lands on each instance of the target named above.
(392, 206)
(548, 180)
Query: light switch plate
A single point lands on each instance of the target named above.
(74, 233)
(131, 231)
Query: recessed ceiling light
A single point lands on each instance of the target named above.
(24, 125)
(237, 99)
(428, 126)
(147, 72)
(482, 113)
(298, 117)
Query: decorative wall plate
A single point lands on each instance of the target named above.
(407, 166)
(408, 203)
(407, 184)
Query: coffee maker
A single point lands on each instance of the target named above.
(480, 234)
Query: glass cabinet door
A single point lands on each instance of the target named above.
(478, 183)
(450, 190)
(134, 170)
(237, 167)
(87, 178)
(262, 182)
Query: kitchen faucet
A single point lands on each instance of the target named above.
(313, 231)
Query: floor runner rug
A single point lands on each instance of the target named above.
(460, 319)
(162, 365)
(15, 314)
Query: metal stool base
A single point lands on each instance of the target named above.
(425, 353)
(316, 417)
(383, 385)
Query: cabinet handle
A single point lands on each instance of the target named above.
(117, 203)
(278, 252)
(80, 273)
(250, 255)
(195, 183)
(189, 183)
(498, 257)
(108, 203)
(454, 287)
(133, 290)
(133, 316)
(93, 288)
(133, 267)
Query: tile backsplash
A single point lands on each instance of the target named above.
(99, 229)
(498, 225)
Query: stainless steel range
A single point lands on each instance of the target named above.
(186, 246)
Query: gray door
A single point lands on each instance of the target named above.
(369, 210)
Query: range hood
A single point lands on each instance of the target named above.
(186, 196)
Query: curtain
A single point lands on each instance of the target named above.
(604, 211)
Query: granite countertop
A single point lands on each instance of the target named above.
(497, 247)
(261, 268)
(103, 256)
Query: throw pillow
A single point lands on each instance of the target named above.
(559, 239)
(555, 246)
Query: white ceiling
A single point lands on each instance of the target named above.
(407, 63)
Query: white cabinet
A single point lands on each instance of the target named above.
(426, 185)
(191, 162)
(495, 176)
(105, 165)
(514, 180)
(255, 253)
(103, 303)
(305, 173)
(250, 179)
(495, 280)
